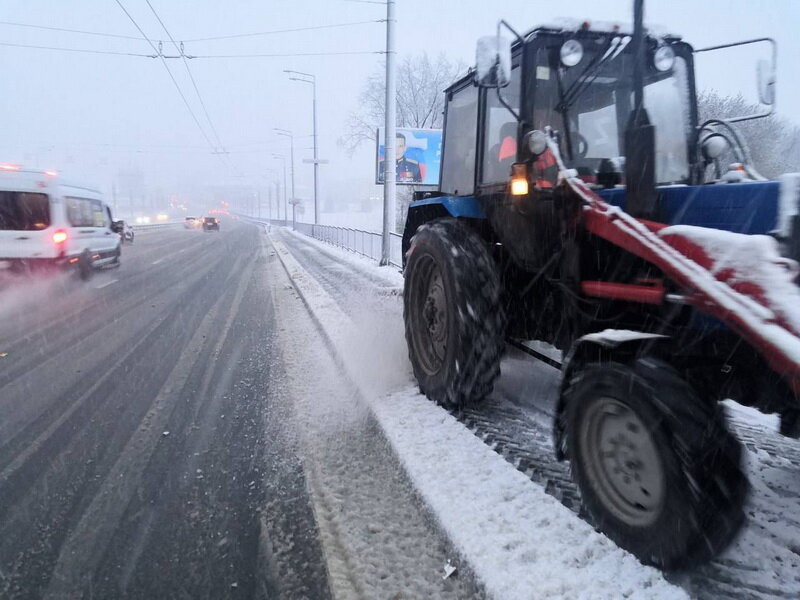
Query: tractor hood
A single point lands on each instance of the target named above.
(761, 207)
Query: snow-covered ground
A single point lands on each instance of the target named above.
(379, 541)
(764, 562)
(519, 541)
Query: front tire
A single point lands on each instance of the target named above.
(657, 469)
(85, 266)
(453, 319)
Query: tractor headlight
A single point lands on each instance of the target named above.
(664, 58)
(537, 141)
(571, 53)
(713, 146)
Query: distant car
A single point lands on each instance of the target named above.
(45, 221)
(125, 231)
(210, 224)
(191, 222)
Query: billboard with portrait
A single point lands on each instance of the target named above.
(418, 154)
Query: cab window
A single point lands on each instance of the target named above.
(458, 162)
(500, 140)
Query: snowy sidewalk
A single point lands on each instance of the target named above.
(764, 562)
(519, 541)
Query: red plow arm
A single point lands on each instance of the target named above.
(739, 279)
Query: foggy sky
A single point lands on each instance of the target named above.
(92, 116)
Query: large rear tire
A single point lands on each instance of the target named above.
(658, 470)
(454, 322)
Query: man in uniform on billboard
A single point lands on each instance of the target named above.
(407, 169)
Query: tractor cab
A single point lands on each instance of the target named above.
(575, 83)
(579, 86)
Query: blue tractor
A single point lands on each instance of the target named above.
(582, 204)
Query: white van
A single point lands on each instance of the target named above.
(49, 222)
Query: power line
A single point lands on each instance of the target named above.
(276, 31)
(81, 50)
(160, 55)
(171, 76)
(189, 72)
(285, 55)
(203, 39)
(101, 34)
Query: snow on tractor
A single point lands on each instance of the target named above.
(580, 205)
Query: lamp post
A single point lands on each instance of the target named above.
(389, 190)
(287, 133)
(311, 79)
(285, 200)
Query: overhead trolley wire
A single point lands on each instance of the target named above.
(276, 31)
(172, 77)
(82, 31)
(202, 39)
(189, 72)
(82, 50)
(285, 55)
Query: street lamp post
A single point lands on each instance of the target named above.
(285, 199)
(313, 82)
(389, 190)
(287, 133)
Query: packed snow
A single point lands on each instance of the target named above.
(518, 540)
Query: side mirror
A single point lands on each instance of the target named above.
(117, 226)
(493, 62)
(766, 82)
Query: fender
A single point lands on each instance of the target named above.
(617, 345)
(428, 209)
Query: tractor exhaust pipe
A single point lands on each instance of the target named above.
(640, 142)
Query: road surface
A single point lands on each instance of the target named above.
(145, 450)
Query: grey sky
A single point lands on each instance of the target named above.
(91, 115)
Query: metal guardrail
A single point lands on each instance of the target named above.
(359, 241)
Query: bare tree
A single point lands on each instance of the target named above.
(421, 82)
(773, 142)
(420, 101)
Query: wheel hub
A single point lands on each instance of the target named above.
(430, 315)
(434, 314)
(624, 463)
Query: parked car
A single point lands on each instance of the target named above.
(47, 222)
(210, 224)
(126, 233)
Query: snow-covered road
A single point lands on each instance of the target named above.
(516, 423)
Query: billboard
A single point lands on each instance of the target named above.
(418, 154)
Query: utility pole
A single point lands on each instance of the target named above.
(287, 133)
(317, 161)
(285, 188)
(389, 190)
(316, 155)
(278, 199)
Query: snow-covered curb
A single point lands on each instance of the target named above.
(391, 275)
(519, 542)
